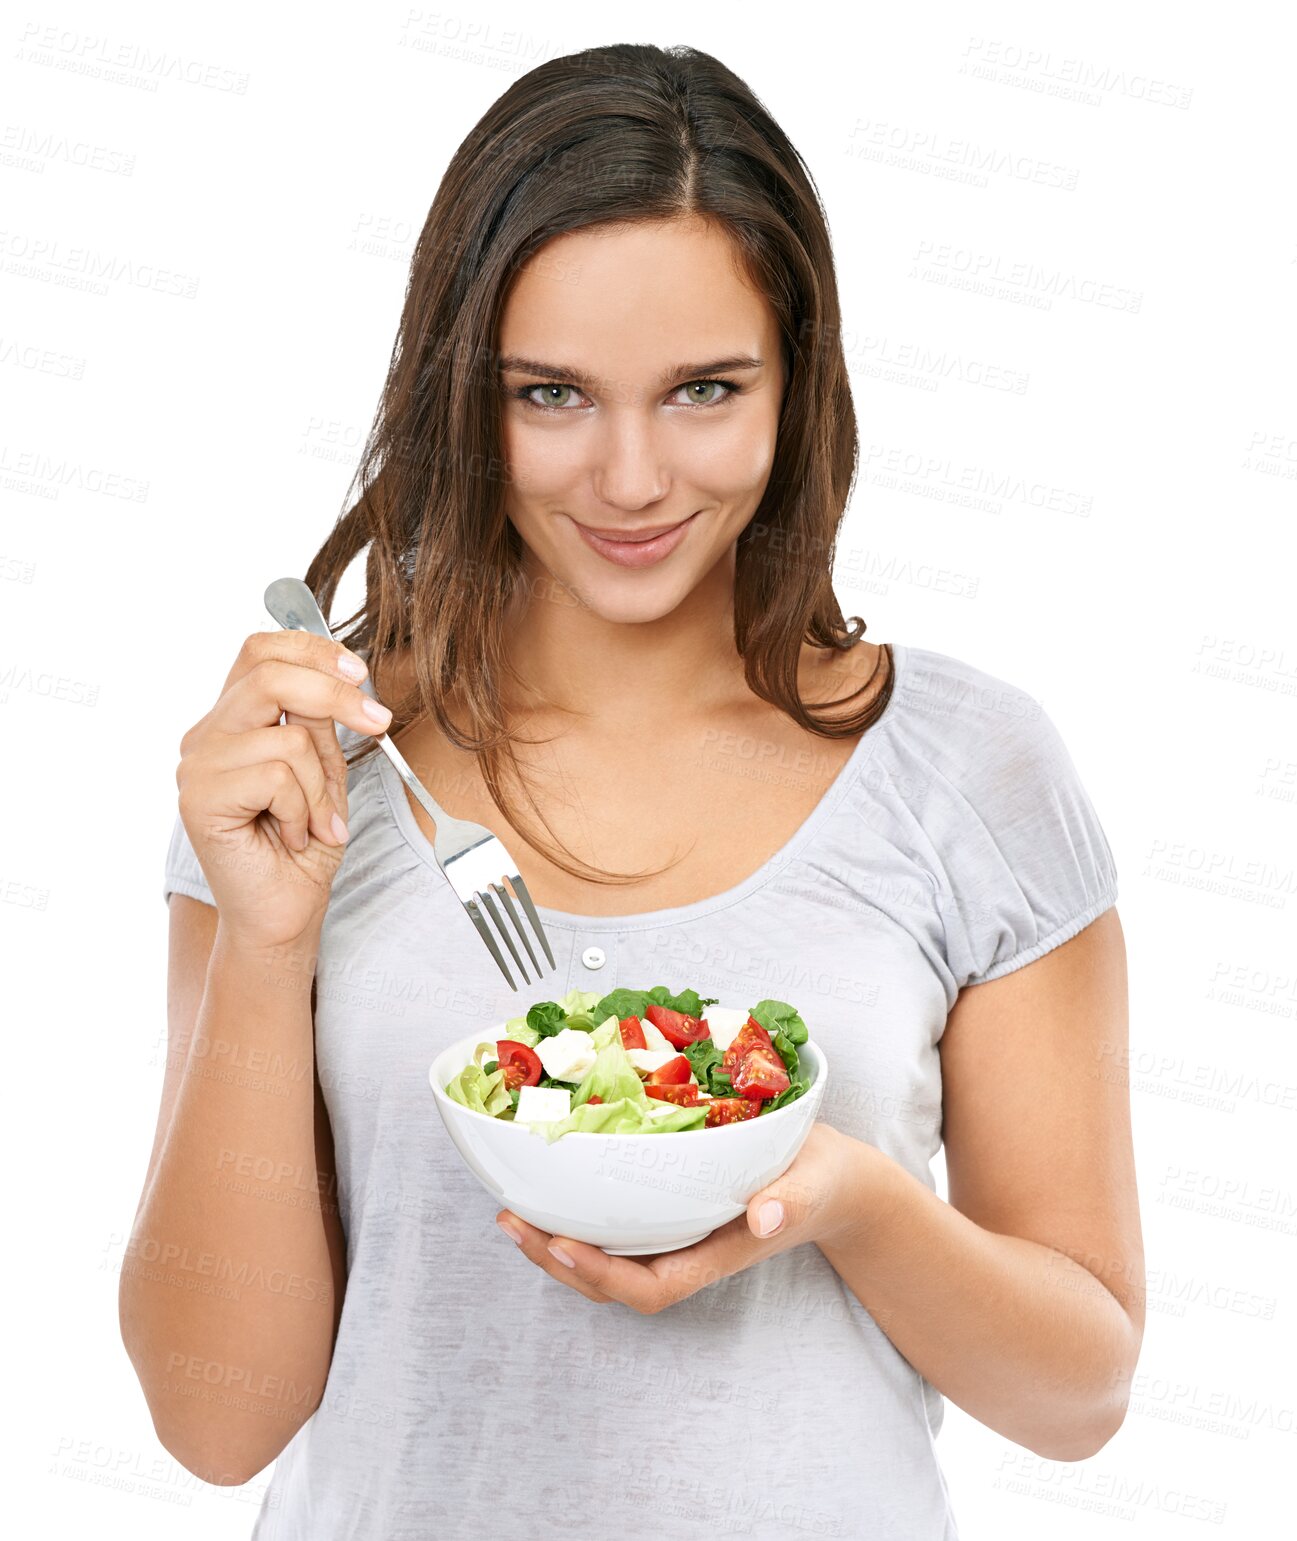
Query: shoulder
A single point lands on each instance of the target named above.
(939, 687)
(983, 732)
(1023, 856)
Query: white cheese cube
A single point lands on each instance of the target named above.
(568, 1055)
(654, 1037)
(542, 1104)
(723, 1023)
(651, 1059)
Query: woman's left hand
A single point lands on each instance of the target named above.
(820, 1195)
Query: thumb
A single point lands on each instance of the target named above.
(771, 1210)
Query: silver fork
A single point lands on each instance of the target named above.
(473, 860)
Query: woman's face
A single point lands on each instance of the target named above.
(641, 379)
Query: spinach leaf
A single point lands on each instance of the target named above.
(787, 1052)
(796, 1087)
(706, 1060)
(621, 1004)
(547, 1018)
(779, 1014)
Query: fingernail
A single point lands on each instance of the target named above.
(353, 667)
(770, 1217)
(377, 712)
(556, 1251)
(338, 827)
(510, 1230)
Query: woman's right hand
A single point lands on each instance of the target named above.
(258, 798)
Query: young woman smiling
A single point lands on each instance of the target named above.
(598, 512)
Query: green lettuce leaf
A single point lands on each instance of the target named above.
(625, 1116)
(576, 1001)
(625, 1107)
(517, 1029)
(612, 1076)
(473, 1088)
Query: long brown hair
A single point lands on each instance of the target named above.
(609, 135)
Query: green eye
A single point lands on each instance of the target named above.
(703, 385)
(554, 389)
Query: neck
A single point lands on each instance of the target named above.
(624, 674)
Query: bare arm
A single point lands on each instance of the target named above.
(232, 1283)
(1022, 1300)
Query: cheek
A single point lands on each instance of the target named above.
(540, 464)
(734, 464)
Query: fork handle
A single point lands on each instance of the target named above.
(293, 605)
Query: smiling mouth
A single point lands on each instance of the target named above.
(634, 537)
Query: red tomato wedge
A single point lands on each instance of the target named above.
(674, 1073)
(632, 1034)
(730, 1110)
(594, 1099)
(685, 1096)
(520, 1064)
(760, 1073)
(677, 1028)
(750, 1036)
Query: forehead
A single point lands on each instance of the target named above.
(635, 296)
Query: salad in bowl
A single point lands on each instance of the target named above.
(589, 1116)
(637, 1062)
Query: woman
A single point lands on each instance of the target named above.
(599, 511)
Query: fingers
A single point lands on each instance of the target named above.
(269, 786)
(272, 687)
(535, 1246)
(329, 753)
(648, 1284)
(295, 746)
(299, 647)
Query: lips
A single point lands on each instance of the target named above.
(633, 537)
(643, 547)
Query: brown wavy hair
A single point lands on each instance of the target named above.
(610, 135)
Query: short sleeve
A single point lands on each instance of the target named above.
(1031, 866)
(183, 874)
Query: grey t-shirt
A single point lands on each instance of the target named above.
(472, 1396)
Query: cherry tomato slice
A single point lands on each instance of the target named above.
(674, 1073)
(760, 1073)
(521, 1065)
(683, 1096)
(677, 1028)
(730, 1110)
(750, 1036)
(632, 1034)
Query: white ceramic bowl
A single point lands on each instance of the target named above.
(626, 1193)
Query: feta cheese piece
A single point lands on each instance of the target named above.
(542, 1104)
(568, 1055)
(723, 1023)
(654, 1037)
(651, 1059)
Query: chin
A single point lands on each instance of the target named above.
(629, 596)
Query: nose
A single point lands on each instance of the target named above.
(629, 471)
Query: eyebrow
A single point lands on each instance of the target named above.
(511, 361)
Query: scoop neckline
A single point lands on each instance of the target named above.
(644, 920)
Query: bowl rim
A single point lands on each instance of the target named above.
(441, 1095)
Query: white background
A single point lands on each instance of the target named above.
(1128, 559)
